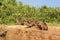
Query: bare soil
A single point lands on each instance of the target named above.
(53, 33)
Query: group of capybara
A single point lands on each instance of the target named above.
(26, 22)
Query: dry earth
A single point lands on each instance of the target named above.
(53, 33)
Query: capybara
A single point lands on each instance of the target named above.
(30, 23)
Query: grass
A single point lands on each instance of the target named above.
(53, 24)
(49, 24)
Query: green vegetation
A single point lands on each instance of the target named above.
(10, 9)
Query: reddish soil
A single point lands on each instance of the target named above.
(53, 33)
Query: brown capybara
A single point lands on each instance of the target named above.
(30, 23)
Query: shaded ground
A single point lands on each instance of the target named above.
(53, 33)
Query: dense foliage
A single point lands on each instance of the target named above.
(10, 9)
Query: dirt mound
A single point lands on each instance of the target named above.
(33, 34)
(53, 33)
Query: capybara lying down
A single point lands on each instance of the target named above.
(31, 23)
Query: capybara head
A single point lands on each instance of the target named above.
(42, 25)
